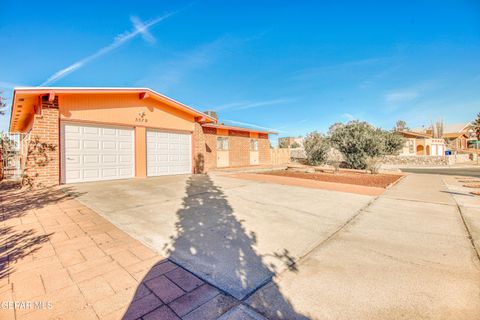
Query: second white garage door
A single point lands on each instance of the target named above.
(168, 153)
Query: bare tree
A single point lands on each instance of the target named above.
(437, 129)
(3, 105)
(400, 125)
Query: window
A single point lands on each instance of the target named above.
(222, 143)
(253, 145)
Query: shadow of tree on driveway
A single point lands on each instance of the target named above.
(212, 243)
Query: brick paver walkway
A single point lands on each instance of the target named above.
(70, 263)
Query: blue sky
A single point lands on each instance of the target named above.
(293, 67)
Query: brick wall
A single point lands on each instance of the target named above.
(239, 148)
(42, 160)
(264, 151)
(205, 148)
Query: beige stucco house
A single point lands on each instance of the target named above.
(422, 144)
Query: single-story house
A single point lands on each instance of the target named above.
(456, 135)
(422, 144)
(89, 134)
(456, 141)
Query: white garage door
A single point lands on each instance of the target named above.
(93, 153)
(168, 153)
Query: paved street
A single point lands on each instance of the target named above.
(468, 172)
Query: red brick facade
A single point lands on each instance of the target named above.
(239, 148)
(41, 161)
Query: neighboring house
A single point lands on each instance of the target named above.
(289, 141)
(421, 144)
(456, 141)
(117, 133)
(467, 128)
(456, 135)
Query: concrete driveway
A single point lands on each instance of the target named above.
(234, 233)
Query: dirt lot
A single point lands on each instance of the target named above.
(380, 180)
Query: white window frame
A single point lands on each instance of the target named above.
(254, 145)
(222, 144)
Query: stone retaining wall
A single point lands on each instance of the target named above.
(416, 160)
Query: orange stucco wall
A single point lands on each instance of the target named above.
(126, 110)
(123, 109)
(140, 152)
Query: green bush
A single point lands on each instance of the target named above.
(316, 147)
(360, 142)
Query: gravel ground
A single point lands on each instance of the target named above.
(363, 179)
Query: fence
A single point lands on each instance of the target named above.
(9, 156)
(280, 156)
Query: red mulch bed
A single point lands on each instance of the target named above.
(380, 180)
(477, 193)
(472, 185)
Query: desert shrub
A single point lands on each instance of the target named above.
(359, 141)
(295, 144)
(335, 158)
(316, 148)
(373, 164)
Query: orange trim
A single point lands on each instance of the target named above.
(140, 136)
(52, 91)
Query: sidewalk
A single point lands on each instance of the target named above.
(406, 256)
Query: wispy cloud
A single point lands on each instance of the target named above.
(252, 104)
(414, 92)
(349, 116)
(339, 67)
(170, 73)
(140, 28)
(401, 96)
(251, 125)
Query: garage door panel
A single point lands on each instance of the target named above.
(91, 159)
(90, 174)
(125, 159)
(91, 144)
(123, 145)
(94, 153)
(73, 175)
(72, 144)
(90, 130)
(168, 153)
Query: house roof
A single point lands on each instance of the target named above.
(25, 98)
(447, 127)
(455, 127)
(415, 134)
(454, 135)
(222, 126)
